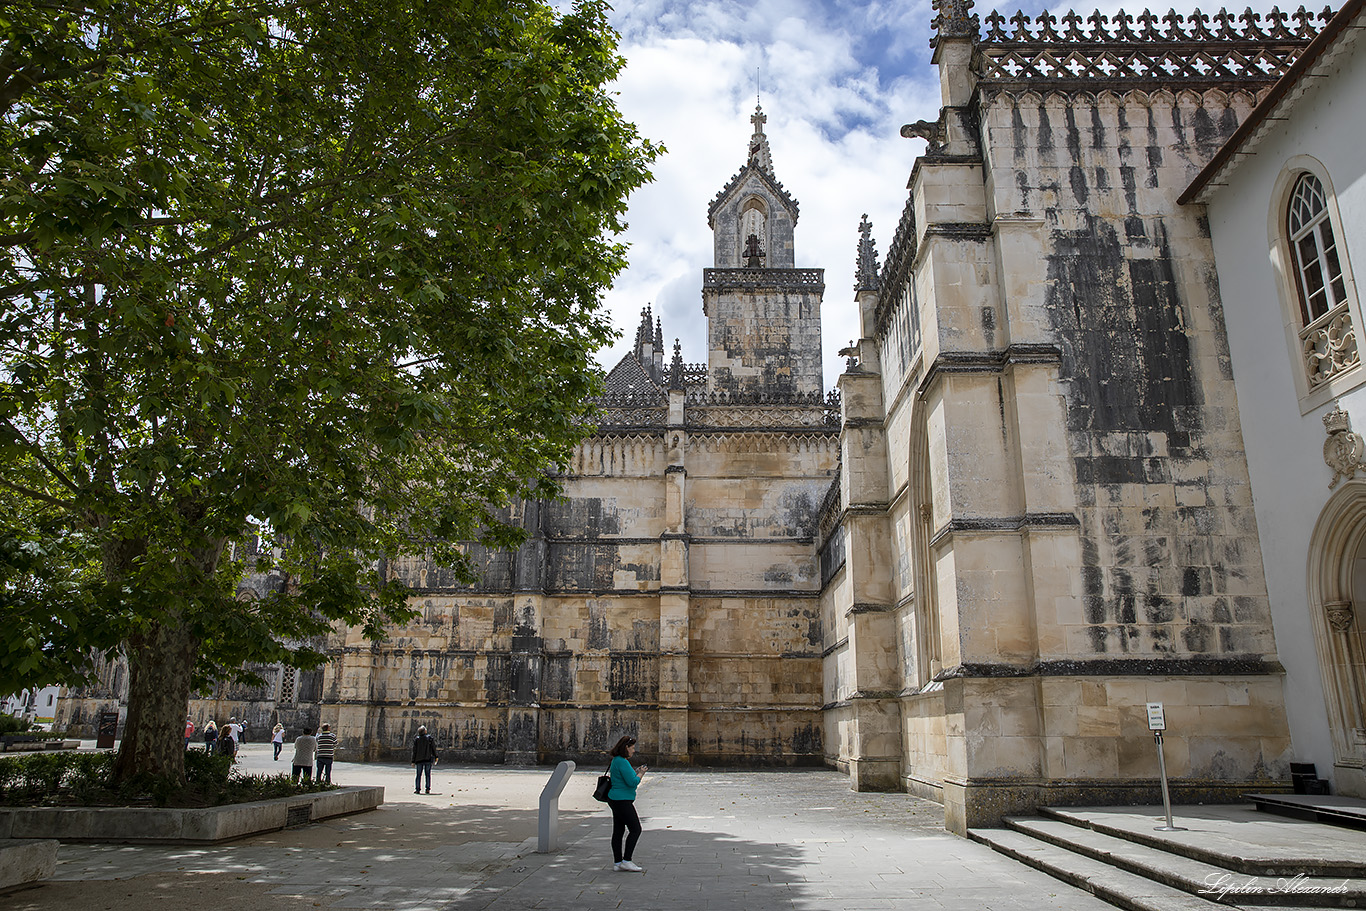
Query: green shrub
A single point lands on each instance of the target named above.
(32, 777)
(12, 724)
(69, 778)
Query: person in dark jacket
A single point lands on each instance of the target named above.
(424, 755)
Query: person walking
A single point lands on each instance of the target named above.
(305, 748)
(189, 730)
(210, 736)
(327, 748)
(277, 739)
(622, 799)
(227, 739)
(424, 755)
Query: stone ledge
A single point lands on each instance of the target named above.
(199, 826)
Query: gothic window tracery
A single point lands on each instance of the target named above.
(1318, 269)
(1318, 273)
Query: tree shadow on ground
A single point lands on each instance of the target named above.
(412, 827)
(684, 869)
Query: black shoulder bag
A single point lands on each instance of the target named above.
(604, 785)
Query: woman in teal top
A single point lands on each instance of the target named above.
(622, 799)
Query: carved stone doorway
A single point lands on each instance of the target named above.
(1337, 603)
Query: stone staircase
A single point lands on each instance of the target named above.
(1228, 856)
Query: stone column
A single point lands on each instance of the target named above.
(528, 646)
(874, 741)
(674, 594)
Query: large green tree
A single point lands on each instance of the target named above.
(326, 272)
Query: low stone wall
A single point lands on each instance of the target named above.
(23, 862)
(208, 825)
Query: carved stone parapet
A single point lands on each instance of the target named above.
(1171, 49)
(1329, 345)
(782, 279)
(1339, 615)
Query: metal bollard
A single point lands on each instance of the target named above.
(548, 830)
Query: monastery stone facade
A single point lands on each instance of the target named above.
(1025, 514)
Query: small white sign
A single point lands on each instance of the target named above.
(1157, 719)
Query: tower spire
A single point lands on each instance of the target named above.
(866, 277)
(758, 143)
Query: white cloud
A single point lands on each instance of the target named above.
(833, 129)
(838, 78)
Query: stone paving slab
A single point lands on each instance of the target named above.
(764, 841)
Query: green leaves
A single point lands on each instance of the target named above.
(326, 273)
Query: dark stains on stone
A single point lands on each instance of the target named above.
(1197, 636)
(1195, 580)
(1179, 128)
(598, 636)
(587, 518)
(1045, 140)
(1159, 608)
(633, 678)
(1019, 134)
(1129, 181)
(557, 681)
(1207, 140)
(497, 679)
(1127, 356)
(806, 739)
(1153, 150)
(1076, 176)
(1073, 134)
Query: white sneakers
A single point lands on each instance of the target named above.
(627, 866)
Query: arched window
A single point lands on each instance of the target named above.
(1318, 271)
(1327, 338)
(753, 223)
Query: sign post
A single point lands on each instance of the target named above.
(1157, 723)
(106, 728)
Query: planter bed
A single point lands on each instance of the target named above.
(197, 826)
(19, 743)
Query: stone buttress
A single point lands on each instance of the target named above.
(1069, 526)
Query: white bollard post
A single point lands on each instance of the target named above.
(548, 830)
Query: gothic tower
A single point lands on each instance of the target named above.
(763, 330)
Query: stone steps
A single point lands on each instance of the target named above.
(1267, 854)
(1189, 875)
(1124, 890)
(1141, 872)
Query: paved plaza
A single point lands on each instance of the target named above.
(756, 840)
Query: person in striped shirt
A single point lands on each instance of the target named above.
(327, 748)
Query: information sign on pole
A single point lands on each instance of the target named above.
(1157, 719)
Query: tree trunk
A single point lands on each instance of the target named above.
(160, 666)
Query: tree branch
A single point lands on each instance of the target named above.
(38, 495)
(43, 460)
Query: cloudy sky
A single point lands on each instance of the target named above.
(837, 79)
